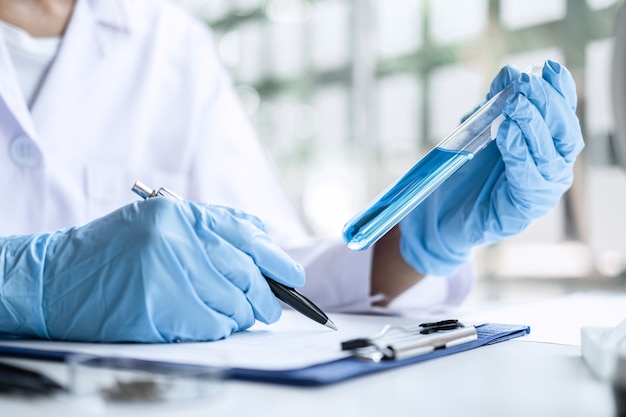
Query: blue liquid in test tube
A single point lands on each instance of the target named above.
(386, 211)
(401, 197)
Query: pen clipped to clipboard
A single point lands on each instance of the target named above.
(402, 342)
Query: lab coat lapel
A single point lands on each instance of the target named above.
(84, 44)
(11, 94)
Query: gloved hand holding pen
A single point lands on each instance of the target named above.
(516, 179)
(158, 270)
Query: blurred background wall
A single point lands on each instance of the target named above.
(348, 94)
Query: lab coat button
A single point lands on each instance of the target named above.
(24, 151)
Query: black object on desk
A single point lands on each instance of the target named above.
(618, 384)
(18, 380)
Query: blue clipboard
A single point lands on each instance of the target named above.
(321, 374)
(347, 368)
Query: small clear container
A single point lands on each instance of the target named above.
(125, 381)
(413, 187)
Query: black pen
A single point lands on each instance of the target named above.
(288, 295)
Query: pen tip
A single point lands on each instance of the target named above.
(331, 325)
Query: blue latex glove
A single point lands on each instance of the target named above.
(516, 179)
(153, 271)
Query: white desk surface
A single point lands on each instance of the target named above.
(522, 377)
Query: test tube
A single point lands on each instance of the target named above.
(408, 191)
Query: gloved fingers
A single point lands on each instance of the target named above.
(274, 262)
(538, 141)
(215, 287)
(503, 79)
(244, 278)
(176, 251)
(244, 235)
(561, 80)
(530, 192)
(555, 111)
(184, 322)
(520, 168)
(176, 254)
(244, 216)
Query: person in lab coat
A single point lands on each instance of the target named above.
(96, 94)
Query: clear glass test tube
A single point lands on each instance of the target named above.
(413, 187)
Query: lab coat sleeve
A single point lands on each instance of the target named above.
(337, 278)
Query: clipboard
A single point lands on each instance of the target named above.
(330, 372)
(352, 367)
(402, 342)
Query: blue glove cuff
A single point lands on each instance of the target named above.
(432, 256)
(21, 285)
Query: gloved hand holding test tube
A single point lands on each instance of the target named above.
(406, 193)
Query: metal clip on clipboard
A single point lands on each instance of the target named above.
(401, 342)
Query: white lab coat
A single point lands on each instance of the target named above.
(137, 92)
